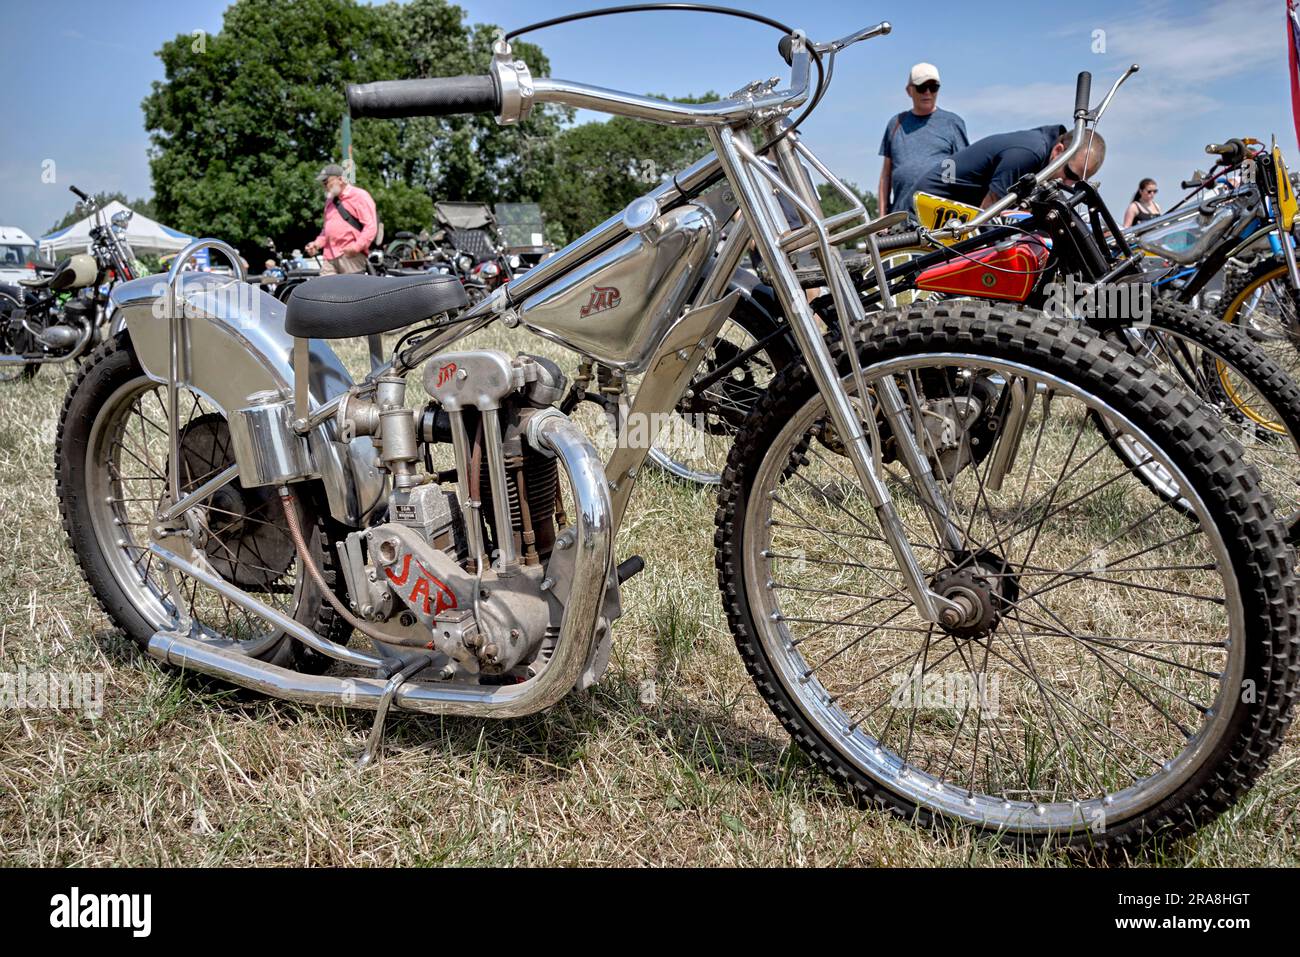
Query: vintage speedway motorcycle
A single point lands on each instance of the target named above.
(1002, 627)
(53, 318)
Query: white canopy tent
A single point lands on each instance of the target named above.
(144, 234)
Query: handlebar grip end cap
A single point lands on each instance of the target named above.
(786, 48)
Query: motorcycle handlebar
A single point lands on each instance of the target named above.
(786, 48)
(1232, 152)
(902, 240)
(78, 193)
(510, 92)
(436, 96)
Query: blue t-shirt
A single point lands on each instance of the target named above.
(991, 165)
(915, 143)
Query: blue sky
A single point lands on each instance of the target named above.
(77, 71)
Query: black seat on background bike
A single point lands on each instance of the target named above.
(339, 307)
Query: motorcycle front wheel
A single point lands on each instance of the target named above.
(1124, 667)
(1255, 401)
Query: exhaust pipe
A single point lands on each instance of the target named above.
(68, 336)
(591, 576)
(58, 337)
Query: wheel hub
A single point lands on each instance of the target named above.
(981, 589)
(243, 535)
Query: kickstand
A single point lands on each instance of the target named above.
(376, 741)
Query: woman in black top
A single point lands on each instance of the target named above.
(1144, 205)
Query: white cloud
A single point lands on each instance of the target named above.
(1222, 39)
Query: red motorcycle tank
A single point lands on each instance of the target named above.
(1007, 272)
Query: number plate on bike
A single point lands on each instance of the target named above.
(1286, 201)
(935, 211)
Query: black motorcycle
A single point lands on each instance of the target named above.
(53, 317)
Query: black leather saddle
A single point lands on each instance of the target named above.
(340, 307)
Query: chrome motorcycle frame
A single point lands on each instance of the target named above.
(601, 490)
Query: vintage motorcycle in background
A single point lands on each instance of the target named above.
(469, 235)
(293, 270)
(54, 316)
(885, 540)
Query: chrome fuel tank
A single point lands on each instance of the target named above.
(616, 307)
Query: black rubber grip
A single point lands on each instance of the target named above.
(437, 96)
(77, 192)
(898, 240)
(1082, 92)
(1192, 184)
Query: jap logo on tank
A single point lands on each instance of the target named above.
(602, 298)
(427, 592)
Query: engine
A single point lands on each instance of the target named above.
(472, 563)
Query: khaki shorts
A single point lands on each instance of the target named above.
(343, 264)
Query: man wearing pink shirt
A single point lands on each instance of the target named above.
(350, 224)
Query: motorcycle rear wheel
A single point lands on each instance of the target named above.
(10, 345)
(111, 473)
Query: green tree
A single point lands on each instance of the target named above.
(245, 118)
(833, 202)
(142, 206)
(600, 167)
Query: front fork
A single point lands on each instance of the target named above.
(1288, 252)
(758, 203)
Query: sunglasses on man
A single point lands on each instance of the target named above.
(929, 86)
(1070, 176)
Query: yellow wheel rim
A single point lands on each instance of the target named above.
(1225, 380)
(1242, 406)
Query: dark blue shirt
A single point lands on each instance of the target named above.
(991, 165)
(915, 143)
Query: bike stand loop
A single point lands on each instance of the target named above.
(376, 740)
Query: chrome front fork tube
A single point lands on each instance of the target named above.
(849, 311)
(1288, 253)
(766, 221)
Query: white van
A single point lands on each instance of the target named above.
(17, 253)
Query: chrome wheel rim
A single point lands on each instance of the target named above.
(1052, 777)
(126, 480)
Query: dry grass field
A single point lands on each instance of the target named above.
(671, 760)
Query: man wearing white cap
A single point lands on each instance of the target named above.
(917, 139)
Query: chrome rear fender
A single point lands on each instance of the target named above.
(236, 347)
